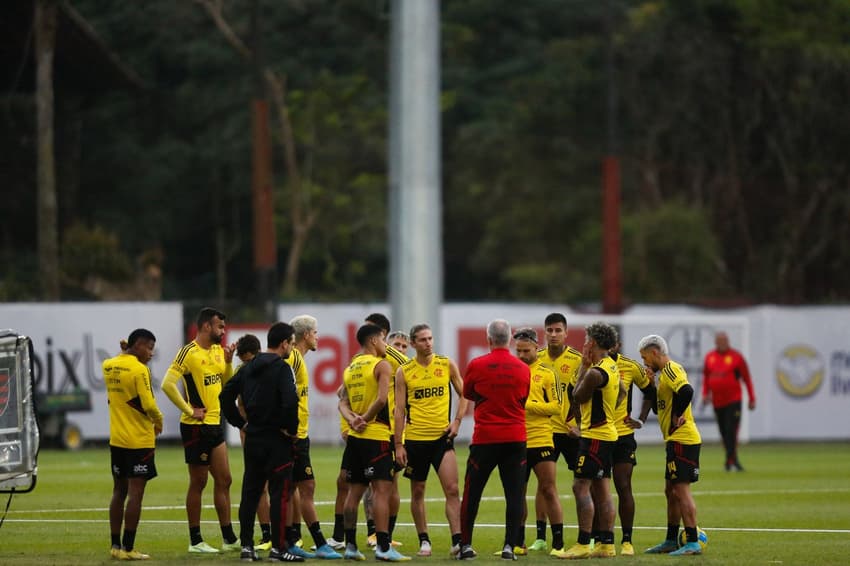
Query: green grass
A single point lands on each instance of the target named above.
(791, 506)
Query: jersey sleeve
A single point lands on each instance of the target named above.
(675, 376)
(145, 392)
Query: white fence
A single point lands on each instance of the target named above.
(799, 357)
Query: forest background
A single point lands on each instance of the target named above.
(729, 117)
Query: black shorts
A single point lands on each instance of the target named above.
(594, 458)
(368, 460)
(199, 441)
(534, 456)
(568, 446)
(303, 468)
(133, 462)
(625, 449)
(682, 462)
(423, 454)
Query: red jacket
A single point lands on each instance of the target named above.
(722, 375)
(498, 383)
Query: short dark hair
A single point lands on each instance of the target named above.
(207, 314)
(380, 321)
(279, 333)
(367, 331)
(139, 334)
(555, 318)
(247, 344)
(603, 334)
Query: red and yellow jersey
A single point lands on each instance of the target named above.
(203, 371)
(597, 414)
(132, 407)
(429, 398)
(361, 385)
(565, 367)
(541, 406)
(302, 389)
(671, 378)
(631, 372)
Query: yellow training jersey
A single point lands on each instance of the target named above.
(429, 398)
(630, 372)
(132, 407)
(671, 378)
(565, 367)
(541, 406)
(396, 359)
(203, 371)
(362, 387)
(597, 414)
(302, 386)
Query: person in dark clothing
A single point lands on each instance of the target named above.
(266, 385)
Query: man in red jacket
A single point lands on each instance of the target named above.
(723, 372)
(498, 383)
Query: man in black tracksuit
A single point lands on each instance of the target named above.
(267, 387)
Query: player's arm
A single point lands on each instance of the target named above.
(228, 362)
(169, 387)
(589, 380)
(344, 407)
(145, 391)
(682, 397)
(382, 372)
(744, 373)
(462, 404)
(400, 413)
(544, 404)
(227, 399)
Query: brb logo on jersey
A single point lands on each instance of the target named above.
(428, 392)
(800, 371)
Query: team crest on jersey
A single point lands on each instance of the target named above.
(5, 391)
(438, 372)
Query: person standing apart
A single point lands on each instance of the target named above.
(266, 385)
(498, 383)
(425, 431)
(202, 366)
(683, 442)
(134, 422)
(722, 374)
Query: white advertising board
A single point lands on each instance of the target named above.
(71, 340)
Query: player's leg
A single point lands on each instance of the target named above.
(220, 471)
(448, 474)
(547, 476)
(116, 508)
(512, 473)
(479, 466)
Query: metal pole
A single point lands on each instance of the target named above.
(415, 224)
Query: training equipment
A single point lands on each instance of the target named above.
(702, 538)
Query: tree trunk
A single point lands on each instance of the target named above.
(48, 237)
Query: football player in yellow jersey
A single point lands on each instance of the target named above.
(541, 405)
(564, 362)
(367, 451)
(597, 393)
(425, 430)
(203, 365)
(624, 458)
(399, 340)
(396, 359)
(134, 422)
(306, 340)
(683, 442)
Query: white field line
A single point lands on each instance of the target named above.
(697, 494)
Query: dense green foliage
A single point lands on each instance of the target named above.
(791, 506)
(729, 119)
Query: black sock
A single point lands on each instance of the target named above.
(383, 541)
(423, 537)
(541, 530)
(291, 535)
(316, 532)
(195, 535)
(393, 519)
(627, 535)
(673, 532)
(266, 529)
(339, 527)
(227, 533)
(370, 527)
(130, 539)
(116, 539)
(351, 537)
(606, 537)
(456, 539)
(583, 537)
(594, 535)
(557, 535)
(691, 533)
(297, 527)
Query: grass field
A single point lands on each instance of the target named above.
(791, 506)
